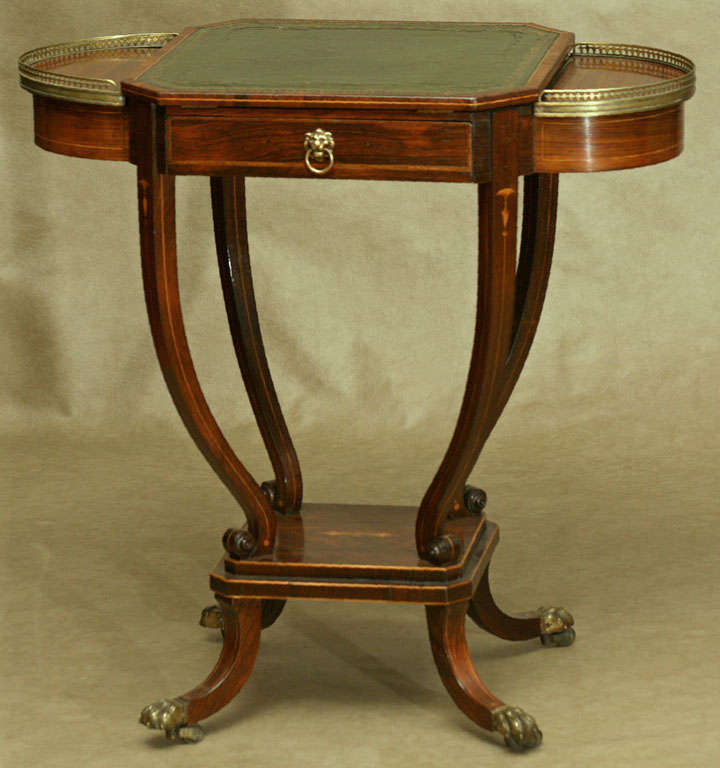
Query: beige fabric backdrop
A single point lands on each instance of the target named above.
(602, 471)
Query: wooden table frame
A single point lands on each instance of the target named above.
(289, 549)
(450, 524)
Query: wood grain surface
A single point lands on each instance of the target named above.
(607, 143)
(156, 203)
(352, 552)
(241, 642)
(495, 300)
(215, 141)
(81, 130)
(233, 252)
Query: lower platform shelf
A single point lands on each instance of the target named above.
(353, 552)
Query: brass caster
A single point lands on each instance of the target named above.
(188, 734)
(170, 715)
(519, 729)
(559, 639)
(556, 627)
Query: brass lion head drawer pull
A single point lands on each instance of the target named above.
(319, 147)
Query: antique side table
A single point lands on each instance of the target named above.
(475, 103)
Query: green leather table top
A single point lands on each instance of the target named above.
(369, 58)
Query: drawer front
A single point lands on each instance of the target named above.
(363, 149)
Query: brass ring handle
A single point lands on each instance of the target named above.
(322, 152)
(319, 145)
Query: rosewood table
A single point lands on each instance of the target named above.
(477, 103)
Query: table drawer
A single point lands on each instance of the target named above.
(361, 148)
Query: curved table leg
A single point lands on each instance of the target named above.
(228, 201)
(156, 197)
(497, 230)
(554, 626)
(531, 279)
(179, 716)
(446, 624)
(495, 368)
(533, 272)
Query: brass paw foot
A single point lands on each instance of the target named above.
(519, 729)
(170, 715)
(212, 617)
(556, 627)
